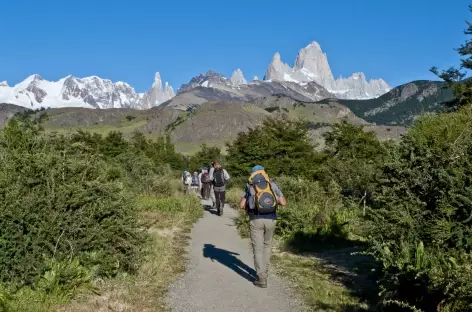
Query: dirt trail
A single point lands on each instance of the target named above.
(220, 273)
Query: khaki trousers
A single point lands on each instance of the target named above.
(262, 231)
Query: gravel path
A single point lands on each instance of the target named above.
(220, 273)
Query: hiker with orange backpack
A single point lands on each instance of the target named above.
(261, 198)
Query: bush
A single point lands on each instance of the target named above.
(314, 218)
(421, 218)
(354, 159)
(58, 202)
(204, 158)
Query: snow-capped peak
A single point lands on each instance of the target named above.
(157, 94)
(312, 64)
(157, 81)
(94, 92)
(237, 78)
(4, 84)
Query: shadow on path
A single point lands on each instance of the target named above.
(228, 259)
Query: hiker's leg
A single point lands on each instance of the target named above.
(269, 229)
(213, 196)
(218, 200)
(207, 190)
(222, 201)
(257, 240)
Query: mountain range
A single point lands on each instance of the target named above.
(90, 92)
(212, 108)
(310, 79)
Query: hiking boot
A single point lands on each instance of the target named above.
(220, 212)
(261, 282)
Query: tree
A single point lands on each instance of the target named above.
(281, 145)
(204, 157)
(353, 159)
(454, 77)
(114, 144)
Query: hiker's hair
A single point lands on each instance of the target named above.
(216, 162)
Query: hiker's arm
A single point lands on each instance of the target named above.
(280, 197)
(210, 173)
(242, 203)
(282, 201)
(227, 177)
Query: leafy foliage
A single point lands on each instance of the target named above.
(353, 159)
(422, 215)
(204, 157)
(57, 201)
(281, 145)
(68, 209)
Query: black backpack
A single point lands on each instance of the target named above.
(205, 178)
(218, 177)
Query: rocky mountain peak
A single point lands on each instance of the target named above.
(277, 69)
(311, 64)
(157, 94)
(4, 84)
(237, 78)
(210, 79)
(157, 84)
(93, 91)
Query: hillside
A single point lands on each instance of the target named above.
(401, 105)
(213, 123)
(7, 111)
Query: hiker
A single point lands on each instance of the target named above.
(206, 184)
(261, 198)
(200, 179)
(218, 176)
(195, 184)
(186, 181)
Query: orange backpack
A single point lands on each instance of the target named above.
(265, 200)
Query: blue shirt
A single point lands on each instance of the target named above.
(249, 197)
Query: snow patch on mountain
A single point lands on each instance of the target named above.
(91, 92)
(312, 64)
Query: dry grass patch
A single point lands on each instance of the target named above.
(168, 221)
(329, 281)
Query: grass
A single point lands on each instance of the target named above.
(127, 127)
(188, 148)
(168, 221)
(324, 285)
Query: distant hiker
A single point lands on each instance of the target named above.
(219, 176)
(206, 184)
(261, 198)
(186, 180)
(195, 186)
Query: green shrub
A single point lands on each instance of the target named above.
(353, 160)
(314, 218)
(421, 218)
(58, 202)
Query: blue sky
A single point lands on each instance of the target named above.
(130, 40)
